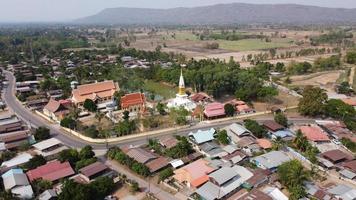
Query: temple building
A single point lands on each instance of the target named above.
(181, 99)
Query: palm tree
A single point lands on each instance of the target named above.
(99, 116)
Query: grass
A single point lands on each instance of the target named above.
(344, 76)
(186, 36)
(253, 44)
(158, 88)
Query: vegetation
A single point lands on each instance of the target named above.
(292, 175)
(122, 158)
(40, 186)
(222, 137)
(281, 119)
(42, 133)
(98, 189)
(344, 88)
(351, 57)
(79, 159)
(229, 110)
(307, 149)
(349, 144)
(164, 174)
(90, 105)
(35, 162)
(256, 129)
(183, 148)
(313, 101)
(68, 122)
(179, 115)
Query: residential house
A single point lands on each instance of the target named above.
(201, 137)
(260, 176)
(224, 182)
(249, 145)
(256, 194)
(235, 157)
(15, 139)
(12, 124)
(52, 171)
(350, 165)
(36, 104)
(48, 195)
(151, 160)
(49, 148)
(241, 107)
(194, 174)
(55, 110)
(55, 94)
(273, 126)
(94, 170)
(200, 98)
(343, 192)
(98, 92)
(264, 143)
(336, 156)
(285, 135)
(271, 160)
(134, 102)
(236, 132)
(212, 150)
(275, 193)
(18, 160)
(214, 110)
(168, 142)
(314, 134)
(16, 181)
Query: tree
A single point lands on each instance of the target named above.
(42, 133)
(229, 110)
(281, 119)
(336, 108)
(313, 101)
(179, 115)
(293, 175)
(134, 187)
(99, 116)
(86, 152)
(344, 88)
(90, 105)
(161, 108)
(70, 155)
(351, 57)
(126, 115)
(91, 131)
(40, 185)
(183, 148)
(222, 137)
(68, 123)
(164, 174)
(255, 128)
(35, 162)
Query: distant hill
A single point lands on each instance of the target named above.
(235, 13)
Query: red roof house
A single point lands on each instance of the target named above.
(133, 102)
(214, 110)
(314, 133)
(200, 97)
(52, 171)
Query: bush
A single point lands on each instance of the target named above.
(42, 133)
(166, 173)
(83, 163)
(256, 129)
(90, 105)
(35, 162)
(91, 131)
(68, 123)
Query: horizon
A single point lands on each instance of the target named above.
(42, 11)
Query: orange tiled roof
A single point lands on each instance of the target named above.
(92, 91)
(314, 133)
(264, 143)
(132, 100)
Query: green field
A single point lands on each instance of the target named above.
(253, 44)
(186, 36)
(165, 91)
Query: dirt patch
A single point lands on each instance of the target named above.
(324, 80)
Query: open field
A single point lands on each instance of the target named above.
(254, 44)
(161, 89)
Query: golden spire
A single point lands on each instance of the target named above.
(181, 89)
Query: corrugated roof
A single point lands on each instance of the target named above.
(272, 125)
(93, 169)
(271, 159)
(157, 164)
(141, 155)
(15, 180)
(314, 133)
(51, 171)
(202, 136)
(17, 160)
(13, 136)
(132, 99)
(45, 144)
(335, 155)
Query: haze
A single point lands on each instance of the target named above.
(66, 10)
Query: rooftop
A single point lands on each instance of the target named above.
(45, 144)
(272, 125)
(202, 136)
(314, 133)
(141, 155)
(335, 155)
(271, 159)
(51, 171)
(132, 99)
(214, 110)
(93, 169)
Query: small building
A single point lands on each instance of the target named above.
(273, 126)
(52, 171)
(48, 195)
(212, 150)
(18, 160)
(49, 148)
(55, 110)
(351, 165)
(201, 137)
(256, 194)
(275, 193)
(214, 110)
(271, 160)
(236, 132)
(36, 104)
(264, 143)
(336, 156)
(16, 181)
(343, 192)
(157, 164)
(201, 98)
(134, 102)
(168, 142)
(314, 134)
(15, 139)
(224, 182)
(285, 135)
(98, 92)
(194, 174)
(260, 176)
(141, 155)
(12, 124)
(94, 170)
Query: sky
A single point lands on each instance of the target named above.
(66, 10)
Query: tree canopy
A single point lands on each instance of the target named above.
(313, 101)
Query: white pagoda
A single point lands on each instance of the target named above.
(181, 99)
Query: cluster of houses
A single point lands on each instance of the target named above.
(18, 182)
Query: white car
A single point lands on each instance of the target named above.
(335, 141)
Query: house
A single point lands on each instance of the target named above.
(336, 156)
(285, 135)
(49, 194)
(157, 164)
(214, 110)
(271, 160)
(134, 102)
(168, 142)
(201, 137)
(194, 174)
(260, 176)
(12, 124)
(94, 170)
(49, 148)
(36, 104)
(272, 126)
(55, 94)
(249, 145)
(141, 155)
(18, 160)
(241, 107)
(275, 193)
(98, 92)
(264, 143)
(212, 150)
(347, 174)
(15, 139)
(201, 98)
(256, 194)
(343, 192)
(55, 110)
(351, 165)
(236, 132)
(16, 181)
(235, 157)
(52, 171)
(224, 182)
(314, 133)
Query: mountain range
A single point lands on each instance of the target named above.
(234, 13)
